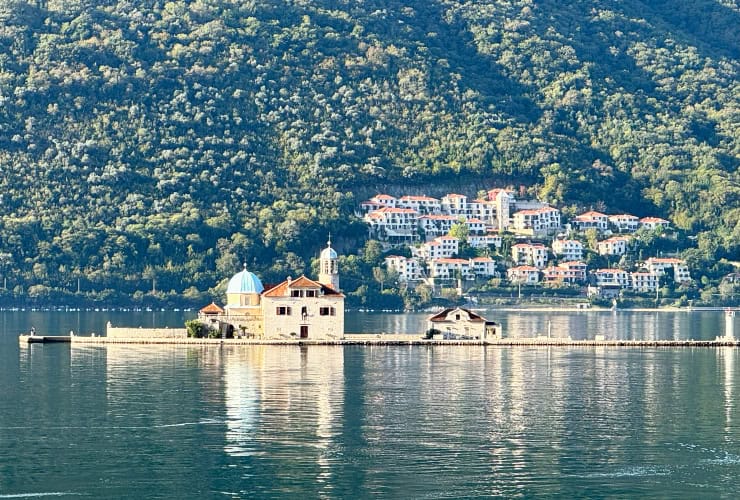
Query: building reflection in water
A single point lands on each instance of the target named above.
(288, 400)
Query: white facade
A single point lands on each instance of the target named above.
(566, 272)
(483, 266)
(645, 282)
(537, 221)
(624, 223)
(591, 220)
(526, 275)
(659, 266)
(303, 309)
(568, 249)
(451, 269)
(455, 204)
(612, 278)
(439, 248)
(613, 246)
(408, 269)
(653, 222)
(437, 225)
(422, 204)
(532, 254)
(484, 241)
(503, 199)
(461, 323)
(396, 225)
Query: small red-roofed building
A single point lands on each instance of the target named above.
(612, 278)
(654, 222)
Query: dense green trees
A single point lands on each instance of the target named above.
(148, 148)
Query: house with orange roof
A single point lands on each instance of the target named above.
(568, 249)
(624, 223)
(616, 245)
(591, 220)
(654, 222)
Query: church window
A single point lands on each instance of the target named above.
(327, 311)
(295, 293)
(283, 311)
(310, 293)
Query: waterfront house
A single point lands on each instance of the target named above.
(461, 323)
(566, 272)
(408, 268)
(659, 265)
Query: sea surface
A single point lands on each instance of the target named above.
(249, 422)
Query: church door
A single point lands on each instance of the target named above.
(304, 331)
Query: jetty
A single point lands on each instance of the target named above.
(385, 340)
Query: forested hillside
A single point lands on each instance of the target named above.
(149, 145)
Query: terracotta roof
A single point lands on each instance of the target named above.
(653, 219)
(418, 198)
(454, 195)
(623, 216)
(451, 261)
(666, 260)
(212, 308)
(302, 282)
(383, 197)
(603, 271)
(524, 268)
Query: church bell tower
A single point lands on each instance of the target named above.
(329, 268)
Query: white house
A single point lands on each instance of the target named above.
(536, 221)
(568, 249)
(654, 222)
(451, 269)
(484, 241)
(566, 272)
(459, 323)
(422, 204)
(624, 223)
(378, 201)
(616, 245)
(532, 254)
(408, 269)
(439, 248)
(612, 278)
(526, 275)
(476, 226)
(455, 204)
(644, 282)
(437, 225)
(483, 266)
(658, 266)
(591, 220)
(395, 225)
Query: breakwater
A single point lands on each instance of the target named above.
(375, 339)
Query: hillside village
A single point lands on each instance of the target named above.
(456, 241)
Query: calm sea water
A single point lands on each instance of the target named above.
(401, 422)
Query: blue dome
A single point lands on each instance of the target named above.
(245, 282)
(328, 253)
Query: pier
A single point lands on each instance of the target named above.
(386, 340)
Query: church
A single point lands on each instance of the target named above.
(298, 308)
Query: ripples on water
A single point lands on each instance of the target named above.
(333, 422)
